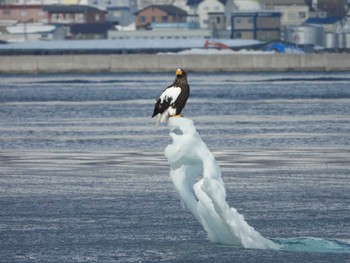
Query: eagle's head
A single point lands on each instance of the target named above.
(180, 73)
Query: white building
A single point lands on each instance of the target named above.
(202, 8)
(294, 12)
(246, 5)
(208, 6)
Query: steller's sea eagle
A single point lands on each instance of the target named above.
(173, 99)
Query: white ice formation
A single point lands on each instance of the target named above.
(197, 179)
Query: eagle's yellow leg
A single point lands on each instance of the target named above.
(177, 115)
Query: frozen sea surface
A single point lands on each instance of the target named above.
(83, 177)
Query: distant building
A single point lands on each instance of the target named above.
(39, 2)
(119, 12)
(105, 4)
(294, 12)
(208, 6)
(177, 34)
(74, 14)
(270, 4)
(72, 2)
(159, 14)
(202, 8)
(121, 15)
(259, 25)
(144, 3)
(174, 26)
(89, 31)
(79, 21)
(217, 25)
(329, 24)
(23, 13)
(310, 3)
(304, 35)
(333, 8)
(217, 20)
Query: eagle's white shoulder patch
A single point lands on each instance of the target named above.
(171, 92)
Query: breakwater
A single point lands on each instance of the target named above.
(162, 63)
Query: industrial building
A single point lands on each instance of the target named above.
(260, 25)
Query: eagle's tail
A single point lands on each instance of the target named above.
(162, 117)
(158, 121)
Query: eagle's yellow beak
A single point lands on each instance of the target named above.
(178, 72)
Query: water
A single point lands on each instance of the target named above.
(83, 177)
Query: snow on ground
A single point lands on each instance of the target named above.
(211, 51)
(131, 27)
(30, 28)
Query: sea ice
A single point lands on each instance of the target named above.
(197, 179)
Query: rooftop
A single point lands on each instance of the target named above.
(323, 20)
(197, 2)
(170, 9)
(257, 13)
(69, 8)
(282, 2)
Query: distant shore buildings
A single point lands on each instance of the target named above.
(260, 25)
(302, 22)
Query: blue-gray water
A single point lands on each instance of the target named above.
(83, 177)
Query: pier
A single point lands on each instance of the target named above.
(88, 63)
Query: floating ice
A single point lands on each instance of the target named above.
(197, 179)
(311, 244)
(189, 160)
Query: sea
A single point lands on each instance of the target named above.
(83, 176)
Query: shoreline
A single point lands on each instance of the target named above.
(36, 64)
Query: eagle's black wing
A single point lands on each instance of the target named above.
(166, 99)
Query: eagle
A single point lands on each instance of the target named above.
(173, 99)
